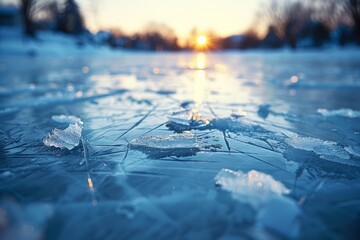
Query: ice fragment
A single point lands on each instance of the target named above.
(67, 138)
(253, 187)
(323, 148)
(181, 144)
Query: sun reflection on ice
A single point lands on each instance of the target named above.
(200, 84)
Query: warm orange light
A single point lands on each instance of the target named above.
(91, 185)
(201, 40)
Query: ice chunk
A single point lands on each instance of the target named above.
(254, 187)
(186, 120)
(66, 119)
(67, 138)
(281, 215)
(343, 112)
(326, 149)
(275, 212)
(181, 117)
(181, 144)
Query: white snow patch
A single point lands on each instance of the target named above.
(67, 138)
(343, 112)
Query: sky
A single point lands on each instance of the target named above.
(225, 17)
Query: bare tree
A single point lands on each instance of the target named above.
(330, 12)
(71, 20)
(27, 9)
(287, 18)
(353, 8)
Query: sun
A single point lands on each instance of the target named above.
(201, 41)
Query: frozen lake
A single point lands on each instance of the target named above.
(181, 145)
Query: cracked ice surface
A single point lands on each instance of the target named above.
(156, 129)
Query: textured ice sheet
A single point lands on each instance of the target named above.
(178, 199)
(68, 138)
(180, 144)
(253, 187)
(343, 112)
(66, 119)
(325, 149)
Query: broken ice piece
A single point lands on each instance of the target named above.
(323, 148)
(179, 145)
(67, 138)
(275, 212)
(181, 117)
(186, 120)
(66, 119)
(254, 188)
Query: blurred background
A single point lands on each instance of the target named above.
(187, 25)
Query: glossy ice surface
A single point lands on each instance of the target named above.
(157, 130)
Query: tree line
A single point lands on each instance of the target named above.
(292, 23)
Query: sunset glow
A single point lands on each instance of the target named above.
(202, 43)
(201, 40)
